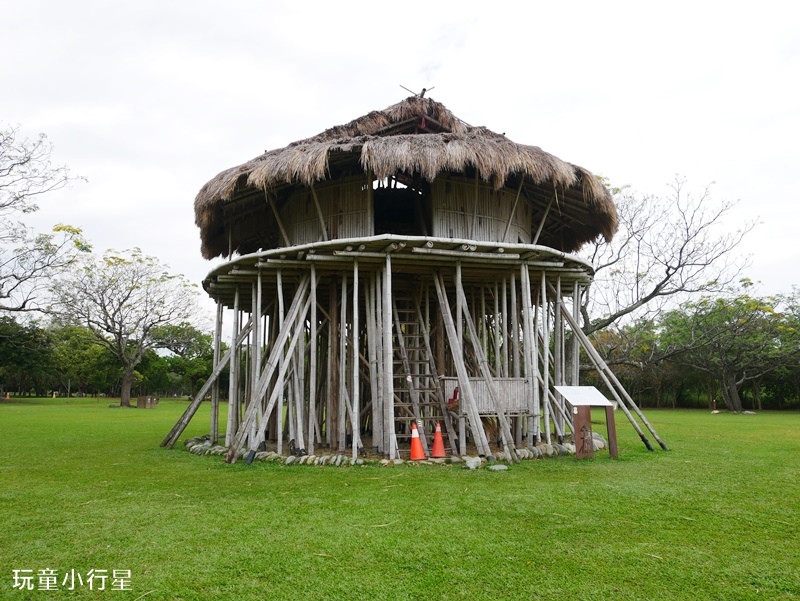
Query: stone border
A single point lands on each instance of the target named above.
(201, 445)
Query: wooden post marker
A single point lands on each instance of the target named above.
(582, 399)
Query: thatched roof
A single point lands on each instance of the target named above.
(418, 137)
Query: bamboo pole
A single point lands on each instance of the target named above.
(173, 435)
(483, 364)
(608, 377)
(457, 352)
(513, 209)
(497, 331)
(544, 217)
(333, 365)
(545, 362)
(277, 218)
(390, 441)
(322, 226)
(215, 387)
(356, 380)
(292, 326)
(558, 356)
(299, 386)
(504, 324)
(233, 387)
(529, 344)
(342, 415)
(312, 363)
(378, 399)
(282, 359)
(272, 365)
(537, 430)
(369, 305)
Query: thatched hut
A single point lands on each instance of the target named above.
(404, 267)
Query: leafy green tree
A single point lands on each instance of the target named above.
(738, 339)
(124, 299)
(79, 363)
(26, 357)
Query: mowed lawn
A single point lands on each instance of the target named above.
(86, 487)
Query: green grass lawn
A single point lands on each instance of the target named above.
(83, 486)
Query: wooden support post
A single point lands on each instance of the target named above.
(558, 360)
(529, 344)
(584, 445)
(312, 363)
(376, 420)
(235, 449)
(343, 394)
(215, 387)
(576, 349)
(233, 384)
(271, 203)
(544, 217)
(497, 331)
(608, 376)
(467, 394)
(483, 364)
(504, 322)
(322, 226)
(183, 421)
(390, 441)
(333, 365)
(513, 209)
(356, 411)
(611, 426)
(536, 371)
(281, 361)
(545, 312)
(299, 307)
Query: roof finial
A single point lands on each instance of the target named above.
(421, 94)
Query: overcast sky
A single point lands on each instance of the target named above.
(149, 100)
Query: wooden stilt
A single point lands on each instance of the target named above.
(467, 395)
(312, 363)
(281, 361)
(356, 380)
(173, 435)
(545, 313)
(483, 364)
(215, 387)
(390, 441)
(233, 385)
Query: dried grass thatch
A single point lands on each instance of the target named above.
(419, 137)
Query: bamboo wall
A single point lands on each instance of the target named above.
(464, 208)
(346, 207)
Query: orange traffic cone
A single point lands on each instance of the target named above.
(416, 444)
(438, 443)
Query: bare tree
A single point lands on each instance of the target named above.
(665, 249)
(28, 260)
(125, 299)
